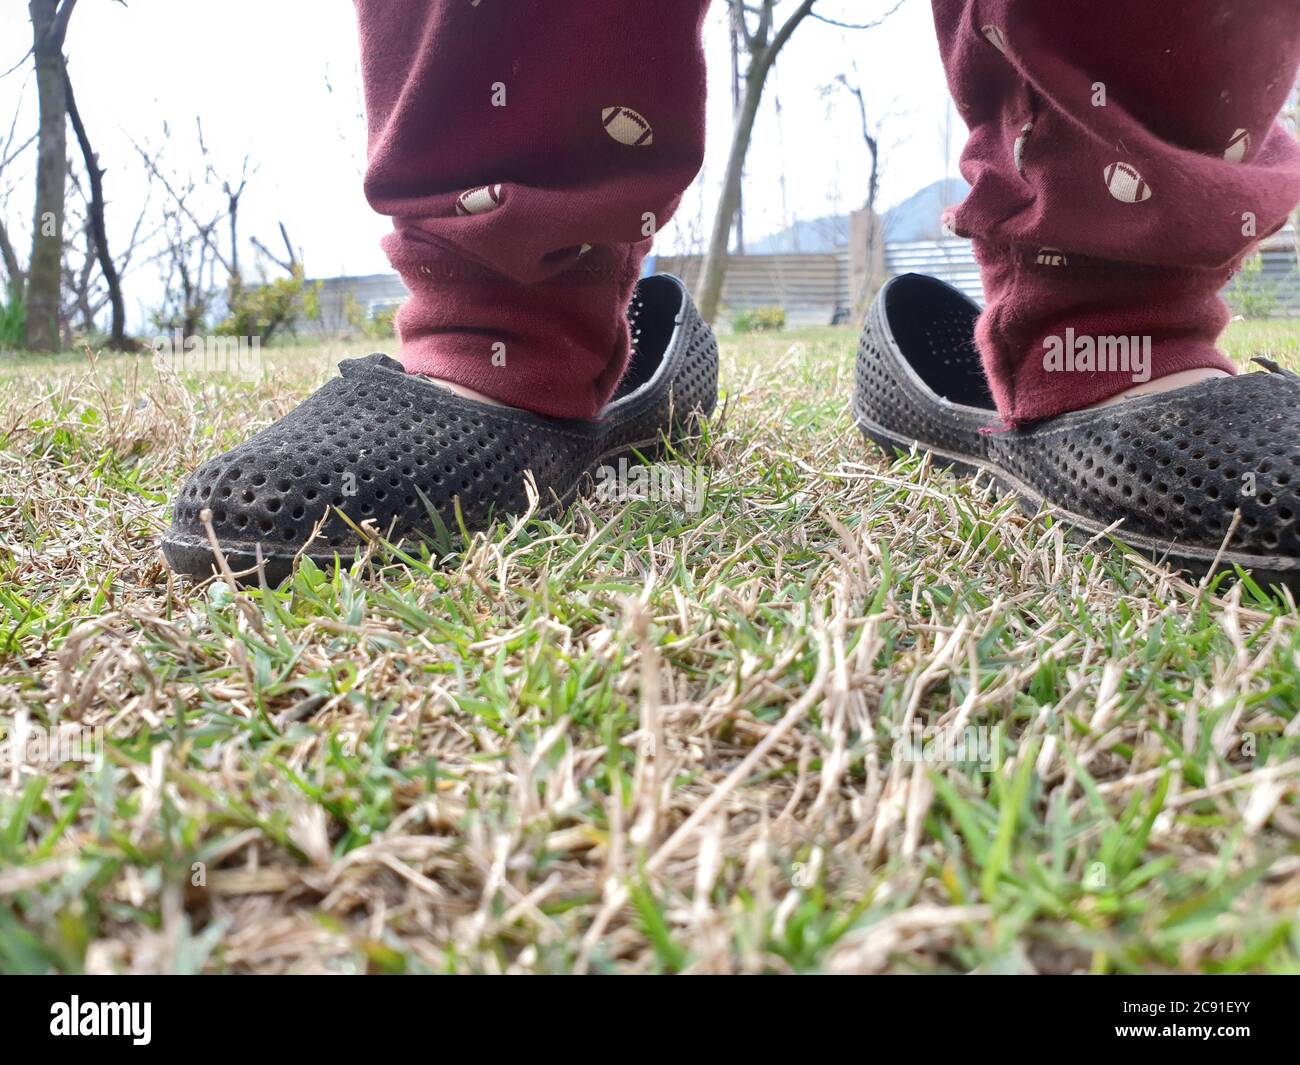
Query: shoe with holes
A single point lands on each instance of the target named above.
(1203, 474)
(400, 453)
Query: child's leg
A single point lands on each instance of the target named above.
(527, 151)
(1124, 157)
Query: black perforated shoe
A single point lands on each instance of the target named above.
(399, 452)
(1207, 472)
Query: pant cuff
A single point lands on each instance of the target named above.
(1062, 332)
(556, 347)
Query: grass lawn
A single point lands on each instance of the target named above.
(637, 739)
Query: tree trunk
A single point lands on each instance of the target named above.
(875, 225)
(877, 230)
(117, 339)
(709, 291)
(762, 56)
(49, 26)
(735, 111)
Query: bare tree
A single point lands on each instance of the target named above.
(78, 272)
(14, 272)
(187, 267)
(736, 99)
(39, 287)
(117, 339)
(874, 233)
(290, 264)
(190, 253)
(49, 31)
(196, 254)
(762, 46)
(870, 138)
(10, 150)
(15, 275)
(85, 289)
(233, 194)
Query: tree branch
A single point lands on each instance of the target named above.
(12, 270)
(787, 31)
(737, 9)
(289, 265)
(862, 112)
(59, 27)
(204, 229)
(860, 25)
(766, 9)
(288, 245)
(17, 151)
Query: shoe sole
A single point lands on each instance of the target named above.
(1265, 569)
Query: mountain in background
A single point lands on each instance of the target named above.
(919, 217)
(816, 236)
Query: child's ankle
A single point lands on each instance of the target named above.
(1181, 379)
(468, 393)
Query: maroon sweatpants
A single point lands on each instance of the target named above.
(1123, 157)
(527, 151)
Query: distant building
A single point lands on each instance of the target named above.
(340, 296)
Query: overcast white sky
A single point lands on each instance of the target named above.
(278, 80)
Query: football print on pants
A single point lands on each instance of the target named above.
(1238, 146)
(1126, 184)
(480, 200)
(627, 126)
